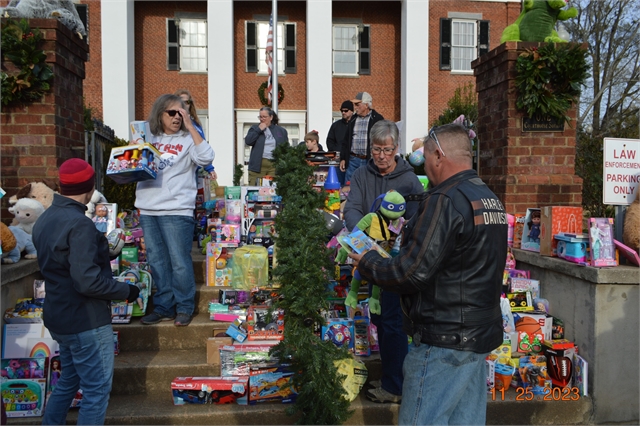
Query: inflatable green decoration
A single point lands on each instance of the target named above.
(537, 22)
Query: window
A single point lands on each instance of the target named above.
(351, 49)
(461, 42)
(187, 45)
(256, 33)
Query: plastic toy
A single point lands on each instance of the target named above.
(534, 227)
(340, 332)
(270, 383)
(416, 158)
(384, 225)
(265, 325)
(601, 241)
(209, 390)
(133, 163)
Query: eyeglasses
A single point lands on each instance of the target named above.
(188, 102)
(345, 110)
(261, 117)
(172, 112)
(376, 150)
(432, 135)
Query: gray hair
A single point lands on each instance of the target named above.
(158, 108)
(382, 130)
(272, 114)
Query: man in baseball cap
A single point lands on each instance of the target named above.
(74, 260)
(356, 149)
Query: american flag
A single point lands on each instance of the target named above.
(269, 56)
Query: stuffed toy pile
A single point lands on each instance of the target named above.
(23, 243)
(26, 212)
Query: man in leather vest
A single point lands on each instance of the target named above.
(449, 276)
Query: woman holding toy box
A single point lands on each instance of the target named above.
(166, 209)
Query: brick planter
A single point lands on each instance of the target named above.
(524, 169)
(38, 137)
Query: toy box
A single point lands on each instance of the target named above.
(490, 365)
(572, 247)
(629, 253)
(554, 220)
(531, 231)
(55, 372)
(228, 233)
(209, 390)
(24, 382)
(269, 383)
(140, 132)
(133, 163)
(220, 264)
(543, 319)
(518, 229)
(237, 333)
(361, 345)
(520, 302)
(250, 267)
(601, 242)
(520, 285)
(233, 297)
(340, 332)
(17, 340)
(264, 326)
(580, 377)
(235, 359)
(532, 373)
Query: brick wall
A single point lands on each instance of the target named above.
(524, 169)
(92, 85)
(442, 83)
(37, 138)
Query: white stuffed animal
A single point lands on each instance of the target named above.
(26, 211)
(24, 243)
(96, 198)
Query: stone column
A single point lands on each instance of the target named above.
(524, 169)
(38, 137)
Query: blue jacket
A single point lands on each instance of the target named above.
(255, 139)
(74, 261)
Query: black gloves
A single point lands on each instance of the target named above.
(134, 292)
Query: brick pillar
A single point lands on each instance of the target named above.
(38, 137)
(524, 169)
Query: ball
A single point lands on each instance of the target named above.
(529, 326)
(416, 158)
(116, 241)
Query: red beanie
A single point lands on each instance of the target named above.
(76, 177)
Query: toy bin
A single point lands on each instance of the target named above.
(133, 163)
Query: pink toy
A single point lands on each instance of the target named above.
(416, 158)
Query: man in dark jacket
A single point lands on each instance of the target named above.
(357, 145)
(449, 275)
(74, 260)
(338, 133)
(386, 170)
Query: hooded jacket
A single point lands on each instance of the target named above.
(450, 266)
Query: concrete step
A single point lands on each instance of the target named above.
(157, 409)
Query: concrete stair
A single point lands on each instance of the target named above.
(152, 356)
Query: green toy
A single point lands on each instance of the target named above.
(383, 225)
(537, 22)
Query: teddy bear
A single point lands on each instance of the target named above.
(96, 198)
(631, 231)
(42, 191)
(7, 238)
(26, 212)
(23, 243)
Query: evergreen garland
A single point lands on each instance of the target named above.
(303, 270)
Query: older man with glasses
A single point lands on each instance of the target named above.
(386, 170)
(357, 144)
(338, 133)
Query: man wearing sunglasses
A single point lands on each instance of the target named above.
(448, 273)
(357, 144)
(338, 133)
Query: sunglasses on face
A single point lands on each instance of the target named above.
(344, 110)
(173, 112)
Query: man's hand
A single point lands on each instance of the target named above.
(342, 166)
(356, 258)
(134, 292)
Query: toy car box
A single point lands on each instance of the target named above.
(209, 390)
(133, 163)
(554, 220)
(269, 383)
(264, 326)
(24, 383)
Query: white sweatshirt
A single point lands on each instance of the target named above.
(173, 192)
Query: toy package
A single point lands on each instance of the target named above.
(581, 374)
(531, 231)
(520, 302)
(360, 242)
(219, 264)
(572, 247)
(554, 220)
(518, 230)
(133, 163)
(139, 275)
(532, 373)
(361, 327)
(268, 383)
(24, 383)
(265, 325)
(140, 132)
(519, 285)
(340, 332)
(55, 372)
(601, 242)
(104, 217)
(209, 390)
(236, 359)
(250, 267)
(355, 373)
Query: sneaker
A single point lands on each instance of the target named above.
(375, 383)
(381, 395)
(182, 320)
(154, 318)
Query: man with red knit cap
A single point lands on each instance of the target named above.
(74, 260)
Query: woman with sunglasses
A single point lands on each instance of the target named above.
(166, 209)
(185, 95)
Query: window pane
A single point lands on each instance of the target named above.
(461, 58)
(193, 58)
(344, 38)
(463, 34)
(344, 62)
(263, 32)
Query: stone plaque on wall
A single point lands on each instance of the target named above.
(539, 123)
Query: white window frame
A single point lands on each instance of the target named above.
(262, 30)
(340, 49)
(199, 44)
(457, 45)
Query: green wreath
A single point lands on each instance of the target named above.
(263, 97)
(31, 78)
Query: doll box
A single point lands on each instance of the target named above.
(140, 132)
(220, 264)
(209, 390)
(261, 326)
(133, 163)
(601, 242)
(554, 220)
(529, 243)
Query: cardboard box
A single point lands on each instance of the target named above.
(213, 348)
(261, 327)
(15, 339)
(545, 320)
(267, 384)
(555, 220)
(140, 132)
(133, 163)
(209, 390)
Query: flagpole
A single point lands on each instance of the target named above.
(274, 76)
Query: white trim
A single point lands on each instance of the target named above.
(319, 80)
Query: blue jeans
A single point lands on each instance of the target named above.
(354, 163)
(392, 340)
(87, 363)
(443, 386)
(169, 240)
(341, 176)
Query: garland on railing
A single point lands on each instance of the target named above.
(263, 96)
(549, 78)
(31, 80)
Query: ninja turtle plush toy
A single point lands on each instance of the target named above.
(383, 225)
